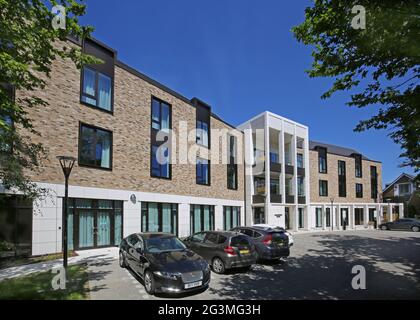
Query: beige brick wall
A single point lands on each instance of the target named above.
(332, 177)
(58, 125)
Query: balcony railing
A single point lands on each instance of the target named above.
(275, 198)
(301, 171)
(290, 199)
(301, 199)
(275, 167)
(258, 198)
(289, 169)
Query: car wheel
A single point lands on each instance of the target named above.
(218, 265)
(123, 263)
(149, 282)
(384, 228)
(415, 229)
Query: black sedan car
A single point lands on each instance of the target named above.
(164, 263)
(223, 249)
(402, 224)
(270, 243)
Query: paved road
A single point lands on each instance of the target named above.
(319, 268)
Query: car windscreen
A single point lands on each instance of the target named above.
(164, 244)
(239, 241)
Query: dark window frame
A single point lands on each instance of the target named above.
(358, 166)
(208, 170)
(192, 218)
(80, 164)
(326, 188)
(373, 182)
(231, 216)
(342, 180)
(232, 165)
(322, 154)
(174, 210)
(96, 96)
(153, 133)
(359, 194)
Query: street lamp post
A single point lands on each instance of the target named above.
(332, 214)
(67, 164)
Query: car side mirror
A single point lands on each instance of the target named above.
(139, 250)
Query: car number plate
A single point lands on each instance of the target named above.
(193, 284)
(244, 251)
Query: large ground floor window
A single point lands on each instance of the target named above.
(318, 217)
(159, 217)
(259, 215)
(15, 226)
(94, 223)
(201, 218)
(301, 213)
(231, 217)
(358, 216)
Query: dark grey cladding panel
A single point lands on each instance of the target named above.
(341, 151)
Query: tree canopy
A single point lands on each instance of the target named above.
(381, 62)
(28, 47)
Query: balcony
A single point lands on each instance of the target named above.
(301, 171)
(258, 198)
(275, 167)
(301, 199)
(290, 199)
(275, 198)
(289, 169)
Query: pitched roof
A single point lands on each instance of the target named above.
(338, 150)
(409, 176)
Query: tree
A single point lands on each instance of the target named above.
(381, 62)
(28, 47)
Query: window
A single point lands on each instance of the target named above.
(203, 171)
(161, 115)
(231, 217)
(211, 238)
(202, 132)
(404, 189)
(322, 160)
(328, 217)
(95, 147)
(359, 190)
(97, 80)
(342, 189)
(201, 218)
(274, 157)
(323, 188)
(161, 122)
(274, 186)
(202, 123)
(301, 217)
(358, 165)
(301, 186)
(318, 217)
(373, 182)
(300, 160)
(358, 216)
(159, 217)
(232, 167)
(372, 214)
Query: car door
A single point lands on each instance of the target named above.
(133, 257)
(195, 241)
(209, 246)
(399, 224)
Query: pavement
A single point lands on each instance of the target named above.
(320, 267)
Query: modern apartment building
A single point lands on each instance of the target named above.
(123, 126)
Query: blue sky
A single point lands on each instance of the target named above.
(241, 58)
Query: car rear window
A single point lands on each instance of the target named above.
(278, 236)
(222, 239)
(239, 241)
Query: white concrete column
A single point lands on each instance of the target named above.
(296, 218)
(218, 217)
(184, 220)
(378, 214)
(401, 210)
(338, 217)
(283, 165)
(390, 217)
(366, 216)
(351, 217)
(267, 165)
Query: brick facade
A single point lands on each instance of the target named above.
(58, 125)
(332, 177)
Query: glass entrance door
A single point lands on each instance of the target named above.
(103, 223)
(86, 229)
(259, 216)
(344, 216)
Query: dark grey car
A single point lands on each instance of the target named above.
(270, 244)
(402, 224)
(223, 249)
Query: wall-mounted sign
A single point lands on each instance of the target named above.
(133, 198)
